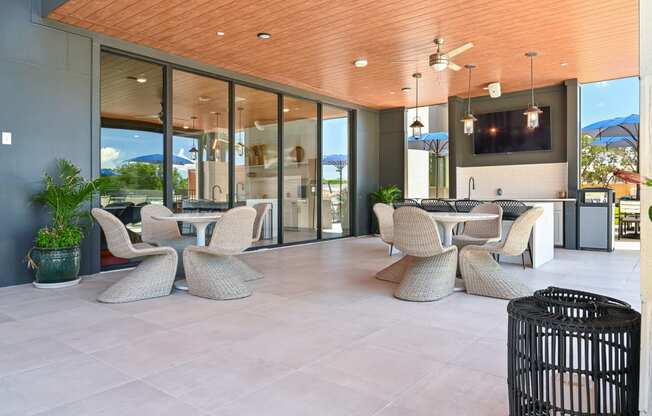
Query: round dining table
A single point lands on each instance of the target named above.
(449, 220)
(200, 221)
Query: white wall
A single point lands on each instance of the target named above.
(517, 181)
(418, 167)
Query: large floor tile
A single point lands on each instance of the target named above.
(303, 394)
(132, 399)
(54, 385)
(33, 354)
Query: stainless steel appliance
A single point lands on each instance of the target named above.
(595, 219)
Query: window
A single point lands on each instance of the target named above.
(131, 140)
(256, 155)
(200, 144)
(335, 173)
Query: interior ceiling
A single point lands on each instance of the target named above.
(314, 43)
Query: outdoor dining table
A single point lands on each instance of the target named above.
(449, 220)
(200, 221)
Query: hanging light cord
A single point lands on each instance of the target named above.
(532, 77)
(417, 103)
(469, 97)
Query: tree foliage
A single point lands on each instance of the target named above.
(599, 162)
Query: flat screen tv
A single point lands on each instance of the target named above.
(506, 132)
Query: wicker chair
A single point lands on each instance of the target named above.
(154, 275)
(261, 211)
(437, 205)
(164, 233)
(512, 209)
(213, 271)
(384, 215)
(483, 275)
(407, 202)
(481, 232)
(427, 271)
(466, 205)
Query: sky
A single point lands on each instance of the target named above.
(608, 99)
(119, 145)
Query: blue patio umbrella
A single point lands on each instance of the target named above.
(158, 158)
(107, 172)
(615, 141)
(437, 144)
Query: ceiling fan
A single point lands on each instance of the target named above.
(440, 61)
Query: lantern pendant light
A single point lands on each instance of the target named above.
(417, 125)
(469, 119)
(532, 112)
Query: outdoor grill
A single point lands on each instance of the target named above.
(572, 353)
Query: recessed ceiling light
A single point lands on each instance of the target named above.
(392, 92)
(286, 110)
(141, 80)
(360, 63)
(485, 88)
(406, 89)
(185, 126)
(564, 64)
(264, 35)
(204, 99)
(220, 33)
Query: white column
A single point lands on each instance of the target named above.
(645, 146)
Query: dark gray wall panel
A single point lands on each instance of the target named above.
(392, 147)
(572, 94)
(554, 97)
(367, 166)
(45, 85)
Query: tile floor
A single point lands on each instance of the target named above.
(320, 336)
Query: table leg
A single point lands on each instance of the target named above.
(448, 233)
(201, 241)
(201, 233)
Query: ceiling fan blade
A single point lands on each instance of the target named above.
(454, 66)
(459, 50)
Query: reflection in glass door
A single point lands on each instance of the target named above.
(256, 156)
(335, 173)
(131, 140)
(299, 170)
(200, 144)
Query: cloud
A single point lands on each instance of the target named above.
(181, 152)
(602, 84)
(109, 155)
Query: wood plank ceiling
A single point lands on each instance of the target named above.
(314, 43)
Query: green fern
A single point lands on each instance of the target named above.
(66, 197)
(386, 194)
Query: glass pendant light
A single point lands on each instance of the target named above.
(469, 119)
(417, 125)
(532, 112)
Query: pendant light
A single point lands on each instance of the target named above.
(417, 125)
(532, 112)
(469, 119)
(193, 150)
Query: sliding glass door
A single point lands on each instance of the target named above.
(131, 140)
(256, 156)
(200, 144)
(223, 147)
(300, 164)
(335, 188)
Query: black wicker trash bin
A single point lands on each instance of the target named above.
(572, 353)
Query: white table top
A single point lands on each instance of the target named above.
(199, 217)
(456, 217)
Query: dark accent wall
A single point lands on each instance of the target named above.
(367, 166)
(45, 85)
(392, 147)
(49, 82)
(548, 96)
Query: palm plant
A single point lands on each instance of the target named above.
(65, 197)
(386, 194)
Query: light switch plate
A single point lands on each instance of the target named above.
(6, 137)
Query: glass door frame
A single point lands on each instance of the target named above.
(167, 98)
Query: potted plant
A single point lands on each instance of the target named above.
(386, 195)
(56, 255)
